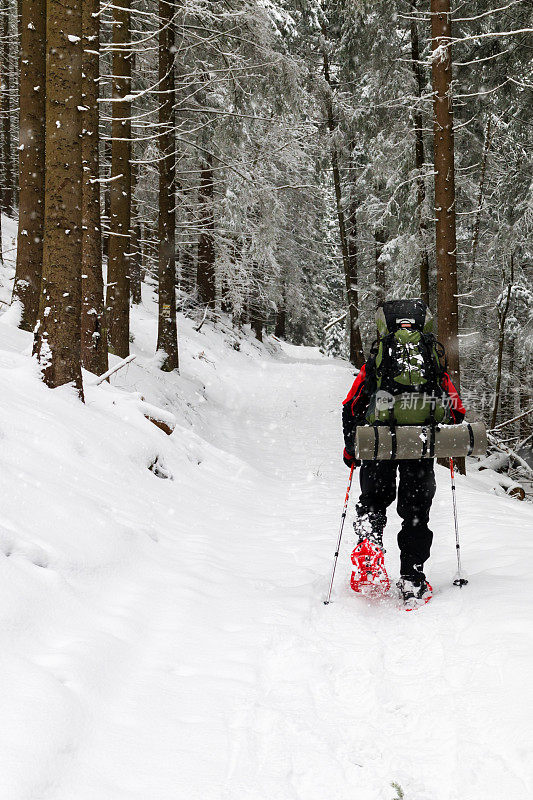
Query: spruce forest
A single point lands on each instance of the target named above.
(289, 164)
(233, 453)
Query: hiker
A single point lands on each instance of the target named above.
(402, 383)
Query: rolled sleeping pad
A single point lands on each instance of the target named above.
(381, 443)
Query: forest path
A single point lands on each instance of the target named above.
(241, 685)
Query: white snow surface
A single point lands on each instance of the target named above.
(167, 639)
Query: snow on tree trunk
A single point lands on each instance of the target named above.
(118, 287)
(93, 334)
(445, 226)
(31, 160)
(419, 161)
(135, 242)
(167, 335)
(357, 357)
(446, 245)
(380, 277)
(356, 344)
(58, 331)
(8, 199)
(205, 277)
(280, 329)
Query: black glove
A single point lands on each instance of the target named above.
(350, 460)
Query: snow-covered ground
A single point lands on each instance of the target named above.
(167, 640)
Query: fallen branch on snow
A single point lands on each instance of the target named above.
(114, 369)
(519, 460)
(339, 319)
(164, 420)
(199, 327)
(492, 464)
(514, 419)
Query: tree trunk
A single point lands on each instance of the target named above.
(167, 334)
(357, 357)
(280, 328)
(526, 403)
(107, 148)
(419, 161)
(8, 203)
(443, 147)
(510, 404)
(187, 270)
(258, 324)
(205, 276)
(446, 245)
(356, 345)
(497, 389)
(135, 242)
(93, 335)
(502, 317)
(118, 284)
(58, 332)
(380, 279)
(28, 275)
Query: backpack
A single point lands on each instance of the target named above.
(404, 371)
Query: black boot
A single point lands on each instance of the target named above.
(414, 588)
(369, 525)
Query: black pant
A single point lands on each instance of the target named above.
(415, 494)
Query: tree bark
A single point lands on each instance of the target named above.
(205, 276)
(58, 332)
(29, 268)
(357, 357)
(280, 328)
(446, 244)
(509, 404)
(107, 148)
(135, 242)
(356, 345)
(167, 334)
(419, 161)
(525, 403)
(502, 318)
(93, 335)
(380, 278)
(258, 321)
(8, 193)
(118, 284)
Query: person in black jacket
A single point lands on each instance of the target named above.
(378, 490)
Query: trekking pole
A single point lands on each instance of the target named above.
(459, 581)
(343, 517)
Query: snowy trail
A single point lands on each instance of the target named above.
(214, 671)
(354, 696)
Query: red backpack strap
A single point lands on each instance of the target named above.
(357, 387)
(457, 408)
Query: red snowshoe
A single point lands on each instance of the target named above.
(369, 573)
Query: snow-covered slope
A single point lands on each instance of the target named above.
(167, 640)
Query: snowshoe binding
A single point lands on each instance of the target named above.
(414, 592)
(369, 575)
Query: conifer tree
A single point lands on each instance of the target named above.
(445, 240)
(94, 339)
(205, 278)
(118, 287)
(31, 160)
(8, 188)
(58, 331)
(167, 337)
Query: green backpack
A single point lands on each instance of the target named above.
(404, 371)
